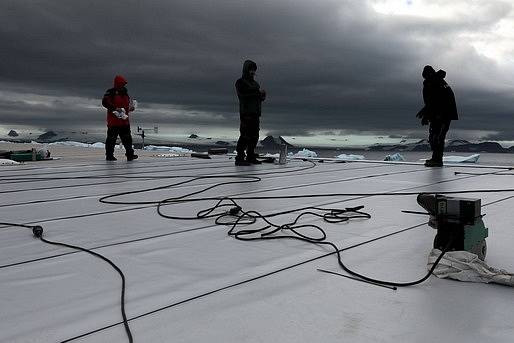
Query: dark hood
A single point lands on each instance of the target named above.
(247, 66)
(441, 74)
(429, 73)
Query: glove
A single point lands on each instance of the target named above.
(263, 94)
(120, 113)
(424, 121)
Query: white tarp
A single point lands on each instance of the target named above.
(5, 162)
(466, 266)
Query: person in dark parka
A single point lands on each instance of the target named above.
(439, 110)
(118, 104)
(250, 98)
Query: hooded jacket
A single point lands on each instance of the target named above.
(438, 96)
(114, 98)
(248, 92)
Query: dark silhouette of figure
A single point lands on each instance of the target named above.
(439, 110)
(118, 104)
(250, 98)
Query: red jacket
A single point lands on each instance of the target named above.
(117, 97)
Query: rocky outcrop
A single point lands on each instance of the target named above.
(47, 136)
(271, 142)
(458, 145)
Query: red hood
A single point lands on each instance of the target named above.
(119, 81)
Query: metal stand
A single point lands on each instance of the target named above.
(142, 134)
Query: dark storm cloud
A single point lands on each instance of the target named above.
(327, 65)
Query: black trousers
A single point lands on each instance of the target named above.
(126, 139)
(436, 137)
(249, 137)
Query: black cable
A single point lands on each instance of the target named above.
(38, 233)
(133, 175)
(499, 173)
(270, 229)
(250, 217)
(178, 232)
(329, 215)
(327, 195)
(355, 278)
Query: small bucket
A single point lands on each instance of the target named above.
(282, 159)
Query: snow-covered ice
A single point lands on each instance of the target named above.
(97, 145)
(350, 157)
(460, 159)
(171, 149)
(304, 153)
(394, 157)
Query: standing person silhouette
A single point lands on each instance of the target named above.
(439, 110)
(118, 104)
(250, 98)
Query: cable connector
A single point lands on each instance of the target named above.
(234, 210)
(354, 209)
(37, 231)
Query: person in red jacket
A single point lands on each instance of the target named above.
(118, 104)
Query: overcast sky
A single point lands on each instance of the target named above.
(328, 66)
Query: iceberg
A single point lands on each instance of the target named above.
(304, 153)
(462, 159)
(394, 157)
(98, 145)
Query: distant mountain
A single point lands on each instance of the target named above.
(271, 142)
(459, 142)
(458, 145)
(46, 136)
(193, 136)
(12, 133)
(222, 143)
(478, 147)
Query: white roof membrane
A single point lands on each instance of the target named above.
(188, 281)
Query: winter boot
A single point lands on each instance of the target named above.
(251, 157)
(110, 158)
(131, 157)
(240, 161)
(253, 160)
(433, 163)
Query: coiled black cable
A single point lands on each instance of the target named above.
(270, 230)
